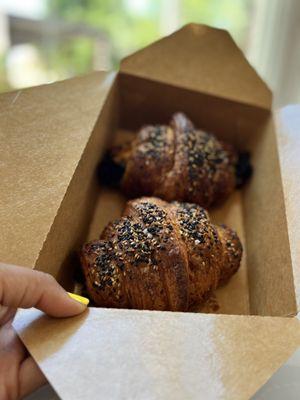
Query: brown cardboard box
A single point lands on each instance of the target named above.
(53, 138)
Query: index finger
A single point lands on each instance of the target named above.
(22, 287)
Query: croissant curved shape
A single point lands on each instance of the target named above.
(159, 256)
(177, 162)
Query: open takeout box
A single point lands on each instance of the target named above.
(53, 139)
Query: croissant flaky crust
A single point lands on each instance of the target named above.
(178, 162)
(159, 256)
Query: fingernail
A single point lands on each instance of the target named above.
(81, 299)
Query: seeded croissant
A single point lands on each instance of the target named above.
(177, 162)
(159, 256)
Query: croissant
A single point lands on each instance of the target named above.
(159, 256)
(177, 162)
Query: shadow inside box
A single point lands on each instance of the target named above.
(284, 384)
(44, 393)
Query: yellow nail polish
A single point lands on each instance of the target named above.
(81, 299)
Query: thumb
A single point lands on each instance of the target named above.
(22, 287)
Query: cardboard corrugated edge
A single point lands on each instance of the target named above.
(219, 68)
(288, 137)
(128, 354)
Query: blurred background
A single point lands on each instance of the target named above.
(46, 40)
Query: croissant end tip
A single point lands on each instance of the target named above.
(110, 172)
(243, 168)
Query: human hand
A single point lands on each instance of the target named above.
(24, 288)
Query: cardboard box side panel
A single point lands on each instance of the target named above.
(157, 355)
(288, 123)
(271, 284)
(43, 132)
(144, 101)
(70, 227)
(204, 59)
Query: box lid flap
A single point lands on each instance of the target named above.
(113, 354)
(202, 59)
(288, 135)
(44, 131)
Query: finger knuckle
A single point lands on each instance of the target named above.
(48, 277)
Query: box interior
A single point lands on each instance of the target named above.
(264, 283)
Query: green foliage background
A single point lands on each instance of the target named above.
(128, 26)
(128, 31)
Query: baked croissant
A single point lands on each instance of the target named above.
(177, 162)
(159, 256)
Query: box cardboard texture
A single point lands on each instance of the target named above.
(53, 139)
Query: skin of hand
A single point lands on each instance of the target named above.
(24, 288)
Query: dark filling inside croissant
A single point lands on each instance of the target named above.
(109, 171)
(243, 169)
